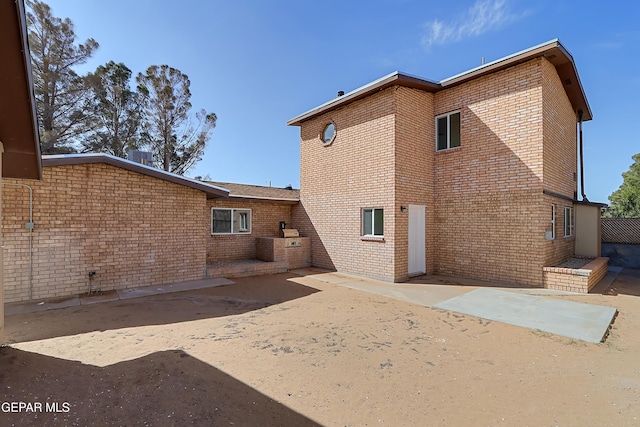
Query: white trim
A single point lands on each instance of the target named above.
(571, 225)
(373, 224)
(448, 116)
(553, 222)
(232, 210)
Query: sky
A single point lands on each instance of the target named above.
(257, 63)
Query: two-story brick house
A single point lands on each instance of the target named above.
(472, 176)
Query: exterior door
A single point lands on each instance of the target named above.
(417, 239)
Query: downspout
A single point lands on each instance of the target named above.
(584, 196)
(29, 225)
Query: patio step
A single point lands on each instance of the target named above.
(245, 268)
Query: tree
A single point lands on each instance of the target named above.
(625, 201)
(60, 92)
(169, 132)
(116, 111)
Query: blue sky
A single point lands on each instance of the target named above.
(257, 64)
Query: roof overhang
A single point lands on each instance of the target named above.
(18, 120)
(553, 51)
(394, 79)
(212, 191)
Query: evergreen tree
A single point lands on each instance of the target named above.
(61, 94)
(116, 111)
(176, 140)
(625, 201)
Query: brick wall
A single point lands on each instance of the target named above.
(414, 169)
(131, 229)
(266, 219)
(489, 215)
(560, 159)
(337, 181)
(486, 211)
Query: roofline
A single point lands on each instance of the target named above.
(212, 191)
(276, 199)
(392, 79)
(507, 61)
(549, 49)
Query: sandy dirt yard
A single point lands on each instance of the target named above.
(286, 350)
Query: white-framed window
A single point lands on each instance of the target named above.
(553, 222)
(230, 221)
(448, 131)
(568, 222)
(373, 222)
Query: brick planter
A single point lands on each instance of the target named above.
(575, 279)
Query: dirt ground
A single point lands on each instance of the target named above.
(286, 350)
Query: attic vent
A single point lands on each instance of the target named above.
(340, 93)
(288, 187)
(567, 82)
(142, 157)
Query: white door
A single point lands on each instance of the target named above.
(417, 256)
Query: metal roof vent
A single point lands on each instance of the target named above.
(340, 93)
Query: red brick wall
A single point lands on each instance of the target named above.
(131, 229)
(266, 218)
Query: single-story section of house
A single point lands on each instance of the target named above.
(99, 222)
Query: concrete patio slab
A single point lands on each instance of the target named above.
(586, 322)
(526, 307)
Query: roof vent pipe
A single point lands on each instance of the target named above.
(584, 196)
(340, 93)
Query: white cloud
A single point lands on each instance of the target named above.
(483, 16)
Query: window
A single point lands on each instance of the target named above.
(568, 222)
(448, 131)
(328, 134)
(372, 222)
(230, 221)
(553, 222)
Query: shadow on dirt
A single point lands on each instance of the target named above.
(247, 294)
(166, 388)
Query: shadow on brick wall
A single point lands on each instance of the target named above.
(319, 255)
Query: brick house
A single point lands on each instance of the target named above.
(130, 224)
(472, 176)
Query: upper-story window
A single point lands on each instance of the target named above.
(448, 131)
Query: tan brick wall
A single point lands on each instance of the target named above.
(576, 280)
(339, 180)
(560, 158)
(486, 211)
(414, 169)
(132, 229)
(489, 212)
(266, 218)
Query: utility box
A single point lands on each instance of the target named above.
(588, 229)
